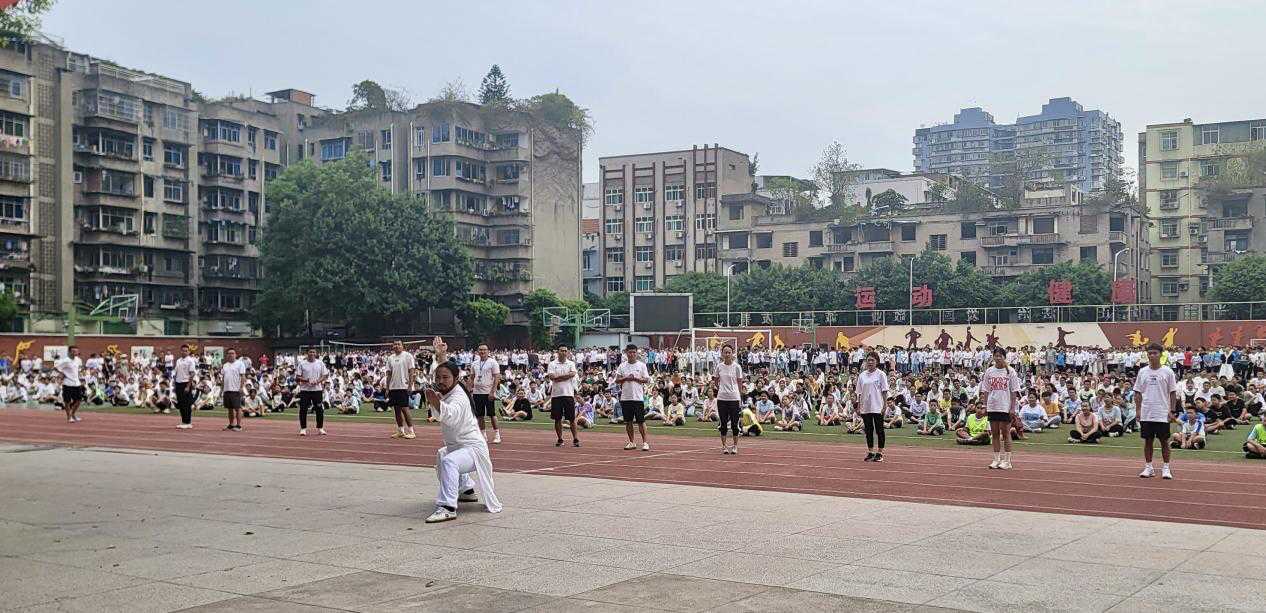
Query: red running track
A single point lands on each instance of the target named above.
(1230, 494)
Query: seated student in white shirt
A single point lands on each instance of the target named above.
(788, 419)
(709, 410)
(1190, 434)
(830, 413)
(893, 418)
(674, 412)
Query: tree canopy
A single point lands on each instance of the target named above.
(22, 20)
(482, 318)
(494, 89)
(369, 95)
(1241, 280)
(339, 248)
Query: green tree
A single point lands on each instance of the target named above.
(617, 303)
(1091, 284)
(887, 201)
(370, 96)
(535, 304)
(21, 21)
(453, 91)
(708, 289)
(494, 89)
(339, 248)
(482, 318)
(797, 196)
(833, 174)
(1241, 280)
(558, 110)
(8, 309)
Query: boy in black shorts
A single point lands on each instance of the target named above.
(563, 378)
(631, 376)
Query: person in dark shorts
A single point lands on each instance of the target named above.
(232, 373)
(1155, 398)
(485, 374)
(563, 377)
(631, 376)
(72, 388)
(729, 395)
(999, 394)
(402, 371)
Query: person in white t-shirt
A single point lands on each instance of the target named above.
(999, 391)
(1155, 394)
(183, 374)
(871, 394)
(631, 375)
(485, 373)
(563, 377)
(729, 376)
(72, 388)
(401, 372)
(231, 374)
(312, 374)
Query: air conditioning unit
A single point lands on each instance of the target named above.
(619, 208)
(649, 236)
(647, 265)
(647, 205)
(679, 263)
(1183, 285)
(679, 203)
(616, 237)
(681, 234)
(79, 177)
(1182, 175)
(1203, 239)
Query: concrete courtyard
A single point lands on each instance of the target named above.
(116, 530)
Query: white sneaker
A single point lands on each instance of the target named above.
(646, 446)
(184, 426)
(321, 431)
(1165, 474)
(1005, 465)
(997, 461)
(441, 514)
(725, 450)
(629, 445)
(734, 450)
(303, 431)
(1148, 472)
(496, 437)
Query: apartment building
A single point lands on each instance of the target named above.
(1207, 208)
(1074, 145)
(120, 182)
(659, 213)
(511, 182)
(1050, 227)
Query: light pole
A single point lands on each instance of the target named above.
(1114, 261)
(729, 272)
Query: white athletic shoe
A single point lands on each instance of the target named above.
(1165, 474)
(184, 426)
(303, 431)
(321, 431)
(441, 514)
(629, 445)
(733, 449)
(646, 446)
(496, 437)
(1005, 465)
(725, 450)
(1148, 472)
(997, 461)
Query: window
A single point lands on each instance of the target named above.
(11, 85)
(173, 191)
(335, 149)
(613, 226)
(419, 169)
(271, 171)
(815, 238)
(384, 169)
(706, 251)
(1209, 168)
(1169, 170)
(252, 235)
(174, 155)
(440, 167)
(706, 190)
(175, 119)
(270, 140)
(643, 194)
(1169, 287)
(1257, 132)
(615, 255)
(507, 173)
(472, 138)
(1235, 209)
(1116, 223)
(967, 229)
(508, 140)
(674, 253)
(147, 150)
(1044, 255)
(1043, 225)
(252, 168)
(936, 242)
(1169, 140)
(644, 284)
(470, 171)
(149, 222)
(674, 223)
(674, 192)
(736, 212)
(12, 124)
(1089, 255)
(587, 260)
(1169, 258)
(1169, 228)
(12, 208)
(252, 202)
(1236, 240)
(386, 139)
(148, 185)
(848, 264)
(615, 284)
(764, 240)
(1169, 199)
(967, 256)
(644, 254)
(907, 232)
(1209, 135)
(439, 134)
(1089, 224)
(738, 241)
(614, 195)
(706, 221)
(644, 224)
(790, 250)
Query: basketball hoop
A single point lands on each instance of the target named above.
(120, 306)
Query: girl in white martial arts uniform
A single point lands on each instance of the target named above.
(465, 452)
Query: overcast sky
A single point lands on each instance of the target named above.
(781, 79)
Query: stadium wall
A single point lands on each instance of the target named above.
(34, 344)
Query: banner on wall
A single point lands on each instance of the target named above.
(142, 353)
(52, 352)
(215, 355)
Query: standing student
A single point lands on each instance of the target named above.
(631, 376)
(231, 374)
(72, 388)
(999, 389)
(563, 376)
(401, 372)
(1155, 395)
(312, 374)
(729, 378)
(871, 393)
(485, 375)
(182, 374)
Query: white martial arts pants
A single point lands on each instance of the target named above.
(454, 471)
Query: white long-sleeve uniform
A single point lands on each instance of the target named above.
(464, 452)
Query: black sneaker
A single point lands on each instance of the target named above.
(869, 457)
(879, 457)
(575, 442)
(559, 443)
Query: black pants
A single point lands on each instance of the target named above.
(184, 402)
(873, 423)
(728, 414)
(1093, 437)
(315, 401)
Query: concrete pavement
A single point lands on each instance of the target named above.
(111, 530)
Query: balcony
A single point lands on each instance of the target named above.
(742, 253)
(1220, 257)
(217, 175)
(16, 259)
(10, 225)
(15, 144)
(1117, 236)
(1011, 270)
(1232, 223)
(237, 278)
(839, 248)
(508, 154)
(872, 246)
(18, 172)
